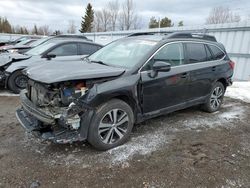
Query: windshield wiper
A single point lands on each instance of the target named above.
(99, 62)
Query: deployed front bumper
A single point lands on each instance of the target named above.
(44, 125)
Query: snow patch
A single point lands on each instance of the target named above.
(7, 94)
(141, 145)
(239, 90)
(225, 118)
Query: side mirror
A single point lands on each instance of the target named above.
(161, 66)
(49, 56)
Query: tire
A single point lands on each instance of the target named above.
(104, 134)
(215, 99)
(17, 81)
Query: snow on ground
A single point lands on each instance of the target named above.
(239, 90)
(5, 93)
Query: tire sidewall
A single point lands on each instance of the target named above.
(93, 136)
(11, 82)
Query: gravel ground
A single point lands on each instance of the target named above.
(188, 148)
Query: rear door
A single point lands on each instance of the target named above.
(166, 89)
(202, 69)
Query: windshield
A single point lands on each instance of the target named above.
(123, 53)
(40, 41)
(38, 50)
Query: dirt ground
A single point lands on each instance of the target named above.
(189, 148)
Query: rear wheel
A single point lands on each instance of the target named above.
(111, 125)
(17, 81)
(215, 98)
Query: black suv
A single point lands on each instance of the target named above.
(126, 82)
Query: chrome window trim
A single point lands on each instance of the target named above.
(139, 71)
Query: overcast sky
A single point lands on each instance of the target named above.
(57, 13)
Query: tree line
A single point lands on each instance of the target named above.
(116, 16)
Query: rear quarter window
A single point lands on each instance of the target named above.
(217, 53)
(196, 52)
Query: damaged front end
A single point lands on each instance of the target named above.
(55, 111)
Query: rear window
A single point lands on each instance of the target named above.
(196, 52)
(217, 53)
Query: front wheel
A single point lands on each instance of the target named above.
(17, 81)
(111, 125)
(215, 98)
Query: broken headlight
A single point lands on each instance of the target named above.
(70, 93)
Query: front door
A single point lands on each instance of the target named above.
(165, 89)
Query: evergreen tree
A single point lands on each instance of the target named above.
(166, 22)
(35, 30)
(87, 20)
(153, 23)
(180, 24)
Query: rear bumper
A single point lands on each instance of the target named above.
(229, 81)
(45, 126)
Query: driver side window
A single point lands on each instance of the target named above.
(172, 54)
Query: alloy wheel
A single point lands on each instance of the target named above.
(113, 126)
(216, 97)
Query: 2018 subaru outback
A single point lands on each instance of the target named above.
(126, 82)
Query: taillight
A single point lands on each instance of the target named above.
(231, 64)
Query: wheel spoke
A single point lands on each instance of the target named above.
(110, 116)
(124, 120)
(105, 125)
(121, 129)
(118, 133)
(103, 130)
(213, 96)
(115, 111)
(122, 116)
(109, 136)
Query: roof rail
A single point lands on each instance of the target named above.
(70, 36)
(171, 35)
(149, 33)
(192, 35)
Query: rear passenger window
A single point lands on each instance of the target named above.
(209, 54)
(88, 49)
(172, 53)
(65, 50)
(196, 52)
(218, 54)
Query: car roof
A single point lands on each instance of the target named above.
(65, 40)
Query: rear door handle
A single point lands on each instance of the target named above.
(213, 68)
(184, 75)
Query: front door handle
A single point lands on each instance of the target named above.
(213, 68)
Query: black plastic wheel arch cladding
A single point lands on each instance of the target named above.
(126, 86)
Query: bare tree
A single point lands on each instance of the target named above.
(102, 20)
(72, 27)
(113, 9)
(220, 15)
(128, 17)
(44, 30)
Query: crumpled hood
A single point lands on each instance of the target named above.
(59, 71)
(6, 58)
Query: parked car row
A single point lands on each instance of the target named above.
(99, 98)
(59, 48)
